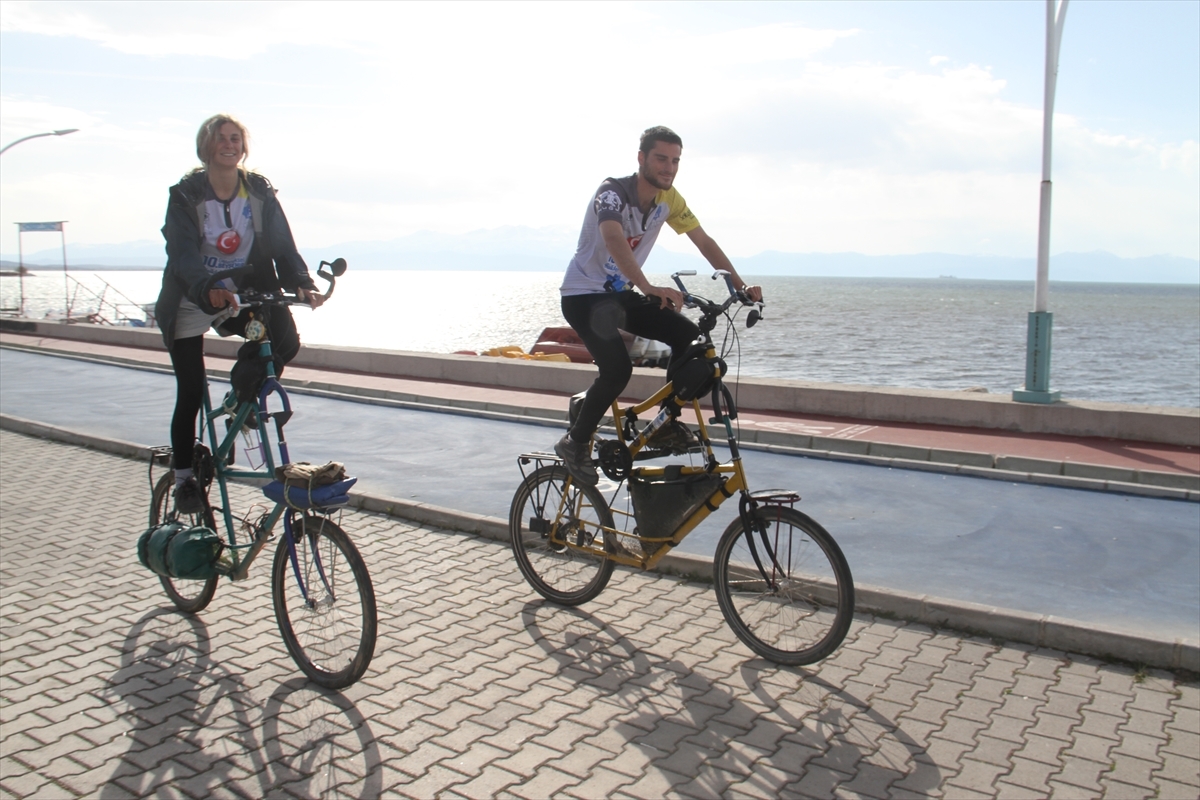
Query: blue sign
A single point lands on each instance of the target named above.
(27, 227)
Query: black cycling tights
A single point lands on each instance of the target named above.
(187, 357)
(599, 319)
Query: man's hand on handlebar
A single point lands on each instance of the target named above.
(753, 292)
(668, 297)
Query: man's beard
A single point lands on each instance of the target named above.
(652, 180)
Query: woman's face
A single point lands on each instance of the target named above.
(228, 147)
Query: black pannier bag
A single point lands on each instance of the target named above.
(660, 505)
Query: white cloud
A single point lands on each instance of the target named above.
(452, 117)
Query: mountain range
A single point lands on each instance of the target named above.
(549, 249)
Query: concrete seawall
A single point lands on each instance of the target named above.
(1176, 426)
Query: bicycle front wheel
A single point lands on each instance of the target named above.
(556, 530)
(324, 602)
(188, 596)
(785, 588)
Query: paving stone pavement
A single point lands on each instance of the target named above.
(478, 689)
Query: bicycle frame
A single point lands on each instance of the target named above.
(734, 483)
(243, 555)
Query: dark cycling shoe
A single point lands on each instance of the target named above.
(188, 497)
(578, 460)
(675, 437)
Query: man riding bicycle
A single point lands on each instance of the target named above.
(598, 292)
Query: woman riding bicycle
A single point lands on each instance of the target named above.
(221, 217)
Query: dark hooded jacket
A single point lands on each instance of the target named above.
(273, 264)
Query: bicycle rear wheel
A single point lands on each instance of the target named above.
(324, 602)
(546, 515)
(188, 596)
(785, 588)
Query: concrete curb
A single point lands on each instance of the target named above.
(1071, 474)
(938, 612)
(936, 407)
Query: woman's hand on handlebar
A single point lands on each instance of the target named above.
(220, 298)
(753, 292)
(314, 299)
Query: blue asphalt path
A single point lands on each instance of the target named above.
(1115, 560)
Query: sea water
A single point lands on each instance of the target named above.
(1121, 343)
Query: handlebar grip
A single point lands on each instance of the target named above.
(211, 283)
(337, 268)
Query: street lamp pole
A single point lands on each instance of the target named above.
(63, 132)
(1037, 349)
(20, 258)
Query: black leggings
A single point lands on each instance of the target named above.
(598, 319)
(187, 358)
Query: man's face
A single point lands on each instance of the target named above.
(658, 167)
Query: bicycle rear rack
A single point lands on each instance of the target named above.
(539, 457)
(775, 497)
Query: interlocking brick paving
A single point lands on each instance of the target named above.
(479, 689)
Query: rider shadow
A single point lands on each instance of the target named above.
(171, 690)
(190, 726)
(704, 740)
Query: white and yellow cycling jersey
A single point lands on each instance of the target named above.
(593, 269)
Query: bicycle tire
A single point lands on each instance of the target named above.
(331, 636)
(189, 597)
(786, 589)
(557, 572)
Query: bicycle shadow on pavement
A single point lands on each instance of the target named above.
(802, 736)
(175, 699)
(192, 724)
(307, 733)
(894, 750)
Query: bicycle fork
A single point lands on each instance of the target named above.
(289, 532)
(753, 524)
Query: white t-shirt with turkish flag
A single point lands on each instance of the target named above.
(225, 244)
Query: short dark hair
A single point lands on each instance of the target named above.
(659, 133)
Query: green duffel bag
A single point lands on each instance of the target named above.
(177, 551)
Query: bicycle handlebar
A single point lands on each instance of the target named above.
(712, 309)
(253, 297)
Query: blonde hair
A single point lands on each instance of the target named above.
(206, 137)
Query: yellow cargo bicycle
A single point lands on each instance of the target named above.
(782, 582)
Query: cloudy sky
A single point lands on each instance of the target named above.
(878, 128)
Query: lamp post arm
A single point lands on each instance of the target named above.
(63, 132)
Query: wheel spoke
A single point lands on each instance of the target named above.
(784, 586)
(330, 625)
(556, 529)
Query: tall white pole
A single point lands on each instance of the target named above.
(1041, 321)
(1054, 30)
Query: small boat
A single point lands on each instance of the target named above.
(564, 340)
(563, 344)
